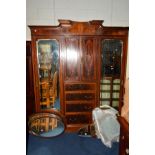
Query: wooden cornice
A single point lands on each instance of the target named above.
(69, 27)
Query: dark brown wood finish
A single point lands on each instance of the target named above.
(79, 73)
(30, 105)
(72, 59)
(88, 58)
(124, 136)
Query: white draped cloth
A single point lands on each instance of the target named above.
(106, 125)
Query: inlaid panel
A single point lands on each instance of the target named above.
(88, 59)
(72, 64)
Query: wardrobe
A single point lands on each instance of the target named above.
(81, 65)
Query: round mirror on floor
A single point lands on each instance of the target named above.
(46, 125)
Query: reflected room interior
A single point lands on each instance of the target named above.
(48, 66)
(46, 125)
(111, 55)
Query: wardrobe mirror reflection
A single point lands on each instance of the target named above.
(48, 70)
(111, 61)
(46, 125)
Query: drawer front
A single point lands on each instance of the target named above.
(80, 96)
(78, 119)
(79, 107)
(76, 87)
(80, 99)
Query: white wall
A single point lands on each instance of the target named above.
(47, 12)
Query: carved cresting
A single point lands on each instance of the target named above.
(91, 27)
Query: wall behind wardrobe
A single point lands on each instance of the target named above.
(47, 12)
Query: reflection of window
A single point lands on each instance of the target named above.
(109, 91)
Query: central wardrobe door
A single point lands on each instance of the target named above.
(79, 81)
(72, 63)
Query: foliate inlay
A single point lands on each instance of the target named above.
(72, 58)
(88, 59)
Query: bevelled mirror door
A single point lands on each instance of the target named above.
(111, 59)
(48, 70)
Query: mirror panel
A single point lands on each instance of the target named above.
(46, 125)
(111, 60)
(48, 70)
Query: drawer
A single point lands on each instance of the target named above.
(76, 87)
(78, 119)
(80, 96)
(79, 107)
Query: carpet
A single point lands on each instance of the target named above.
(69, 144)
